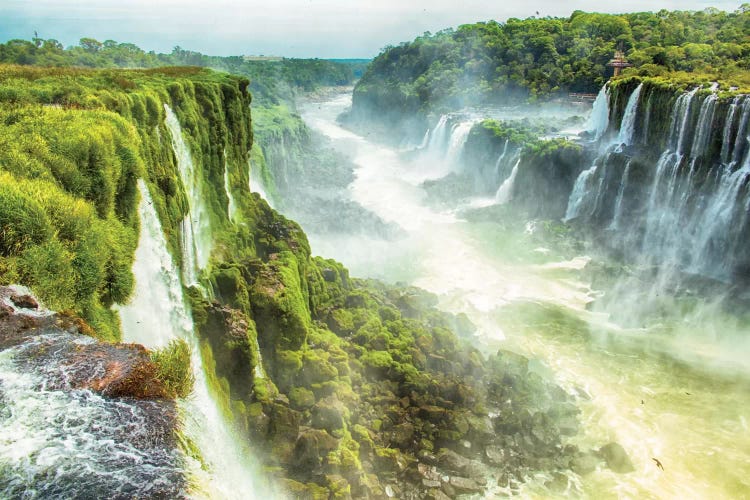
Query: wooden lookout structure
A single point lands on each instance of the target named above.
(619, 62)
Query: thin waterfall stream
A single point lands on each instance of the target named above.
(158, 314)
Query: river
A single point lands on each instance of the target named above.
(631, 388)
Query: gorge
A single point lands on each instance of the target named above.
(519, 294)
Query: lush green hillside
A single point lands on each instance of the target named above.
(535, 58)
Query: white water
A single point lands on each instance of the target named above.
(627, 126)
(580, 190)
(231, 204)
(683, 421)
(505, 191)
(620, 196)
(196, 228)
(598, 120)
(157, 314)
(458, 138)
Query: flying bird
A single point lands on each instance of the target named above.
(658, 463)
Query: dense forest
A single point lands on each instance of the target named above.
(539, 58)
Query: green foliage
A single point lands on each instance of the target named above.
(273, 80)
(540, 58)
(174, 368)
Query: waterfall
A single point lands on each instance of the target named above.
(255, 184)
(728, 128)
(620, 195)
(157, 309)
(232, 204)
(682, 109)
(159, 313)
(505, 191)
(499, 162)
(703, 130)
(627, 126)
(598, 120)
(196, 227)
(741, 142)
(438, 137)
(580, 189)
(458, 137)
(425, 140)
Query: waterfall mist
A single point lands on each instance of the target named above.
(622, 317)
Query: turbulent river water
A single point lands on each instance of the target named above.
(641, 388)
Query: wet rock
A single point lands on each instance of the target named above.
(616, 458)
(436, 494)
(329, 275)
(465, 485)
(495, 454)
(558, 483)
(452, 461)
(310, 448)
(402, 435)
(584, 463)
(24, 301)
(328, 414)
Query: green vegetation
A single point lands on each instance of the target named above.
(73, 142)
(174, 369)
(273, 80)
(538, 58)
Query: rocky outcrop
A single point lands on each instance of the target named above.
(100, 406)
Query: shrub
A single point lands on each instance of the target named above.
(174, 368)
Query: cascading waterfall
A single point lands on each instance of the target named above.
(499, 162)
(157, 314)
(696, 205)
(232, 204)
(438, 138)
(620, 196)
(505, 191)
(580, 190)
(598, 120)
(196, 227)
(627, 128)
(256, 184)
(425, 140)
(458, 137)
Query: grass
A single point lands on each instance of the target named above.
(174, 368)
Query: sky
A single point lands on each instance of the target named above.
(290, 28)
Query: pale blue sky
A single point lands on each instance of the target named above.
(292, 28)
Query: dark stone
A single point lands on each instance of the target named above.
(24, 301)
(311, 448)
(584, 463)
(616, 458)
(329, 275)
(558, 483)
(452, 461)
(436, 494)
(328, 414)
(465, 485)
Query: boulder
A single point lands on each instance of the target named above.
(616, 458)
(465, 485)
(584, 463)
(328, 414)
(24, 301)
